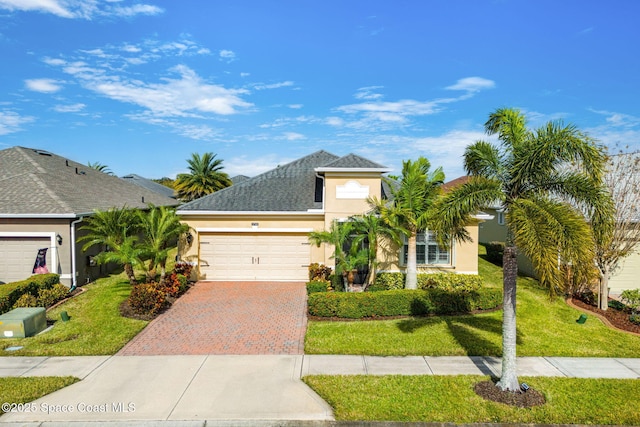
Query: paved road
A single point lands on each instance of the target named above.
(228, 318)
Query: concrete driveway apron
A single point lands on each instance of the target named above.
(228, 318)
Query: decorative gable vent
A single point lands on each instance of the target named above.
(352, 190)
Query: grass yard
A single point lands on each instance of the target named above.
(545, 328)
(95, 327)
(23, 390)
(451, 399)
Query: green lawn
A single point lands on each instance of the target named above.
(95, 328)
(451, 399)
(545, 328)
(23, 390)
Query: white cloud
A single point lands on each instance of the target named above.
(369, 93)
(294, 136)
(80, 9)
(72, 108)
(185, 96)
(472, 84)
(295, 106)
(618, 119)
(227, 55)
(43, 85)
(11, 122)
(44, 6)
(273, 85)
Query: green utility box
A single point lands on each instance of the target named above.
(23, 322)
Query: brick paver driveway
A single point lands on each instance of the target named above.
(228, 318)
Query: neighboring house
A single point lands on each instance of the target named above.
(43, 201)
(626, 277)
(149, 185)
(258, 228)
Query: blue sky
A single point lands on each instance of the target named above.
(140, 85)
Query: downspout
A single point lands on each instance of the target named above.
(74, 275)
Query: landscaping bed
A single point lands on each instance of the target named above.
(617, 318)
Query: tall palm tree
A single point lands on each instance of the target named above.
(116, 229)
(538, 177)
(205, 177)
(414, 194)
(161, 228)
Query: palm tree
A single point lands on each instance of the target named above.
(100, 167)
(116, 229)
(126, 253)
(205, 177)
(161, 227)
(370, 228)
(338, 235)
(533, 174)
(414, 194)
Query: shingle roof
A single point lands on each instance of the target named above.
(149, 185)
(36, 182)
(353, 161)
(287, 188)
(239, 178)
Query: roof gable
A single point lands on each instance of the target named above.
(36, 182)
(287, 188)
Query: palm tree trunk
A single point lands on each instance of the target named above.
(603, 294)
(509, 377)
(412, 270)
(128, 269)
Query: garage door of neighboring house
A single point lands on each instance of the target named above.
(17, 256)
(254, 256)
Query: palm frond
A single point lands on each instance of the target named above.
(551, 233)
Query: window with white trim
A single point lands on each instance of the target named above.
(428, 252)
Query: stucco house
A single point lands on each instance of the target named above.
(625, 277)
(258, 228)
(44, 199)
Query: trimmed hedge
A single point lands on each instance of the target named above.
(401, 303)
(10, 293)
(495, 251)
(318, 286)
(444, 281)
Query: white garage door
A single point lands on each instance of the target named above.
(255, 256)
(17, 256)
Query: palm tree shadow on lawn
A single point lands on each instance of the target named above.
(464, 331)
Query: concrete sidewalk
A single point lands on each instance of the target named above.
(154, 389)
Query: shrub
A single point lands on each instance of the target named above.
(337, 282)
(48, 297)
(389, 281)
(319, 271)
(631, 298)
(635, 318)
(401, 303)
(147, 298)
(29, 286)
(445, 281)
(495, 250)
(450, 282)
(183, 268)
(318, 286)
(26, 300)
(175, 285)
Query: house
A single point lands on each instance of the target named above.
(258, 228)
(44, 199)
(149, 185)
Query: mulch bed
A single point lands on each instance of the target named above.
(521, 399)
(617, 318)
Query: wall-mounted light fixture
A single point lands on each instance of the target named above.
(59, 239)
(189, 239)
